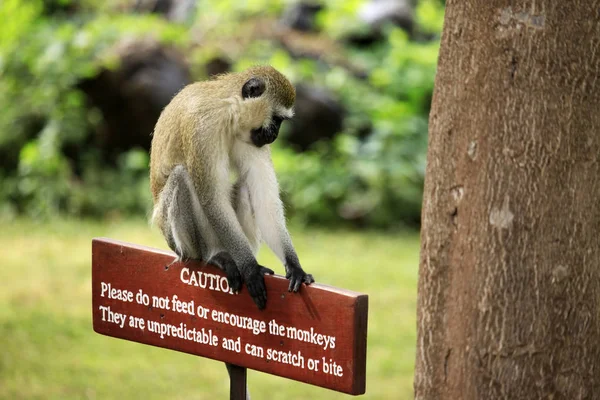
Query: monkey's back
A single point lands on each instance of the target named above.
(166, 144)
(189, 119)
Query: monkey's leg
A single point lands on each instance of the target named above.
(187, 229)
(176, 217)
(214, 193)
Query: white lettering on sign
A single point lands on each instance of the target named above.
(115, 294)
(205, 280)
(203, 336)
(328, 342)
(114, 317)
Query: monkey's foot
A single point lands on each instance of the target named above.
(234, 279)
(297, 277)
(224, 261)
(255, 282)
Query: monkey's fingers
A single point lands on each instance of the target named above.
(257, 290)
(308, 279)
(295, 282)
(297, 277)
(234, 279)
(266, 271)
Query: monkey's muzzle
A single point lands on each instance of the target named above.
(262, 135)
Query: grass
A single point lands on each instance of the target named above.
(49, 350)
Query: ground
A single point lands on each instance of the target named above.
(49, 350)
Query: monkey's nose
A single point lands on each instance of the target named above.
(262, 136)
(270, 136)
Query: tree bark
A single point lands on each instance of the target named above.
(509, 278)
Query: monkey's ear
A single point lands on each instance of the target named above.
(254, 87)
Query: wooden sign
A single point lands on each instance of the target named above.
(317, 336)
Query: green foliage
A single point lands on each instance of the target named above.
(370, 175)
(115, 191)
(42, 59)
(373, 181)
(339, 18)
(430, 15)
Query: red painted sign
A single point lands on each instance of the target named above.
(317, 336)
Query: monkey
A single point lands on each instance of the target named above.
(209, 130)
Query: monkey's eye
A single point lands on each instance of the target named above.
(254, 87)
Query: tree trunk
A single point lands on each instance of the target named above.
(509, 279)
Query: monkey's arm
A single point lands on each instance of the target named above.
(269, 213)
(211, 179)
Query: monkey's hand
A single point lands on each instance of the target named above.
(224, 261)
(297, 276)
(254, 276)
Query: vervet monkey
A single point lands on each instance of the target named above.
(207, 131)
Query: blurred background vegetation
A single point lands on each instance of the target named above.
(83, 82)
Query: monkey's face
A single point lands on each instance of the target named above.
(268, 91)
(268, 134)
